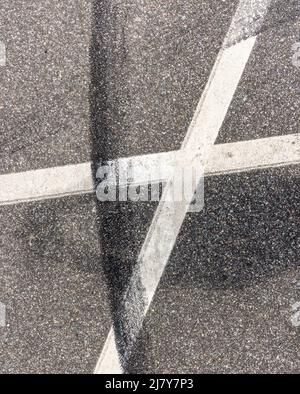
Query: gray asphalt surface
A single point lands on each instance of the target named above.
(52, 284)
(45, 84)
(99, 80)
(224, 302)
(266, 101)
(155, 60)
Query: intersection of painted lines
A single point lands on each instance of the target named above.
(76, 179)
(218, 159)
(199, 140)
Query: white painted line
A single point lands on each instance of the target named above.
(165, 226)
(109, 362)
(256, 154)
(250, 17)
(76, 179)
(45, 183)
(224, 158)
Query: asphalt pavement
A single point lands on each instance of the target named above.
(92, 80)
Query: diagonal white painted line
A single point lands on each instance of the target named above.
(109, 359)
(199, 140)
(249, 18)
(76, 179)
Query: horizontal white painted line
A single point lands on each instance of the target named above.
(224, 158)
(77, 179)
(254, 154)
(45, 183)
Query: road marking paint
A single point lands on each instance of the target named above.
(76, 179)
(109, 359)
(223, 159)
(250, 15)
(256, 154)
(45, 183)
(201, 135)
